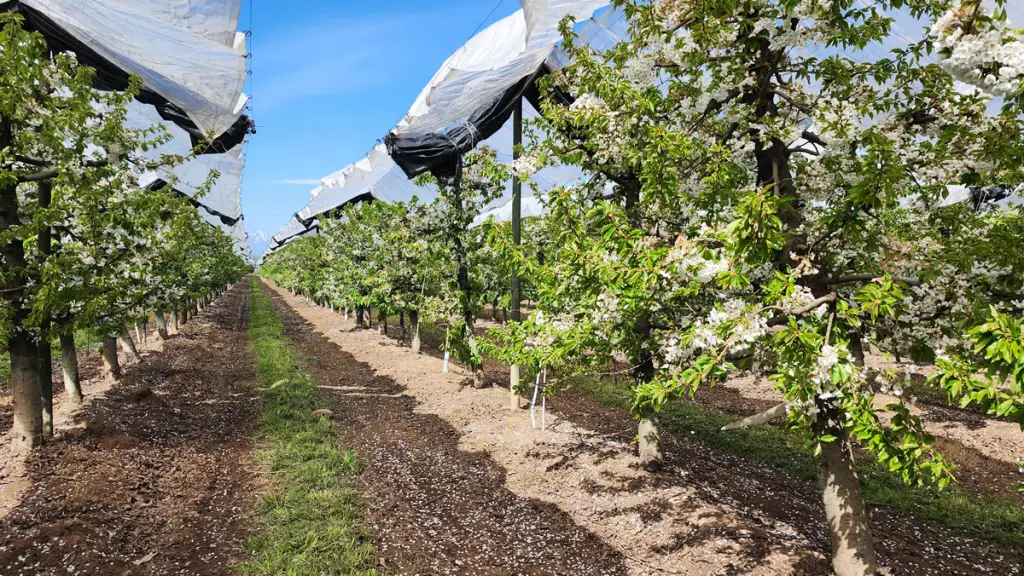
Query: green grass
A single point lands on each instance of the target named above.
(989, 518)
(308, 520)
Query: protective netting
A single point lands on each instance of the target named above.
(187, 53)
(476, 90)
(469, 102)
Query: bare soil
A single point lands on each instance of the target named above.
(429, 443)
(154, 476)
(433, 506)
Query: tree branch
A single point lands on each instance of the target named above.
(51, 173)
(779, 320)
(871, 277)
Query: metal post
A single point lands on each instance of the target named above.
(517, 212)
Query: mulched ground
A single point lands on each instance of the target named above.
(158, 480)
(905, 545)
(432, 508)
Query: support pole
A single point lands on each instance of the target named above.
(45, 352)
(517, 213)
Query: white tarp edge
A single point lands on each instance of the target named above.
(203, 77)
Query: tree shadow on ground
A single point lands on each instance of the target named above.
(434, 508)
(767, 499)
(158, 472)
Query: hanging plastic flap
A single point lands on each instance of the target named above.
(223, 196)
(487, 52)
(292, 230)
(476, 89)
(190, 177)
(375, 177)
(439, 152)
(235, 231)
(200, 76)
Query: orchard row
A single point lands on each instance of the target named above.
(751, 207)
(82, 245)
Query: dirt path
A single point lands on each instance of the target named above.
(433, 507)
(155, 478)
(708, 513)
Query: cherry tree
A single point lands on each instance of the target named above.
(479, 180)
(769, 194)
(77, 233)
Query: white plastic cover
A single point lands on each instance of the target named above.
(292, 230)
(224, 196)
(532, 206)
(236, 232)
(479, 72)
(182, 51)
(490, 63)
(215, 20)
(378, 176)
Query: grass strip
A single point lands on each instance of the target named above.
(981, 516)
(308, 520)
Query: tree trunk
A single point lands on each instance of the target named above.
(853, 552)
(161, 325)
(44, 242)
(175, 326)
(69, 363)
(465, 289)
(648, 430)
(128, 344)
(382, 323)
(27, 430)
(494, 310)
(414, 319)
(46, 385)
(514, 400)
(360, 317)
(401, 324)
(649, 443)
(110, 361)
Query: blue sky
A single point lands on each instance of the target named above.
(330, 78)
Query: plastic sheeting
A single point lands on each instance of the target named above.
(475, 90)
(377, 176)
(479, 86)
(186, 52)
(531, 207)
(294, 229)
(223, 198)
(216, 20)
(235, 231)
